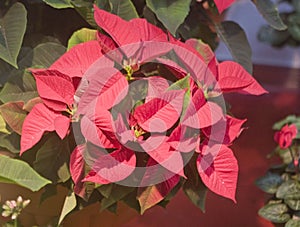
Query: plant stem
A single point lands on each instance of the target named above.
(294, 159)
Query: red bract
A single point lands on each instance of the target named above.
(218, 169)
(223, 4)
(113, 167)
(56, 87)
(42, 119)
(285, 136)
(127, 32)
(77, 169)
(161, 113)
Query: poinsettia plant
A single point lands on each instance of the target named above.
(138, 112)
(133, 111)
(281, 181)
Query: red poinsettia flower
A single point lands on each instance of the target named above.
(56, 87)
(285, 136)
(200, 120)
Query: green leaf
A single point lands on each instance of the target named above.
(289, 189)
(20, 87)
(69, 204)
(117, 193)
(181, 84)
(105, 190)
(19, 172)
(59, 4)
(194, 188)
(293, 223)
(131, 201)
(296, 4)
(10, 142)
(14, 115)
(124, 9)
(236, 41)
(85, 9)
(272, 36)
(3, 128)
(276, 213)
(51, 157)
(45, 58)
(269, 11)
(269, 183)
(12, 30)
(293, 203)
(104, 4)
(291, 119)
(81, 36)
(170, 13)
(294, 26)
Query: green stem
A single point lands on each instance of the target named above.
(15, 223)
(293, 159)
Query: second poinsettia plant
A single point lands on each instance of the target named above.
(130, 113)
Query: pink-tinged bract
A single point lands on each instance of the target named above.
(234, 78)
(78, 59)
(223, 4)
(41, 119)
(233, 128)
(107, 88)
(112, 167)
(161, 113)
(97, 128)
(201, 113)
(127, 32)
(160, 151)
(56, 89)
(77, 169)
(218, 170)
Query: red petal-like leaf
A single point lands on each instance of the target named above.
(56, 89)
(106, 43)
(124, 32)
(218, 170)
(107, 87)
(225, 132)
(112, 167)
(78, 59)
(206, 52)
(180, 142)
(194, 64)
(61, 124)
(201, 113)
(97, 128)
(124, 134)
(77, 170)
(160, 114)
(39, 120)
(223, 4)
(176, 70)
(153, 194)
(156, 87)
(158, 148)
(234, 78)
